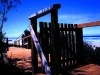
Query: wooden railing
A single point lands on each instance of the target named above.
(89, 24)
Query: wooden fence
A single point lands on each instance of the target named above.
(71, 52)
(71, 44)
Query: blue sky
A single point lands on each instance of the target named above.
(71, 11)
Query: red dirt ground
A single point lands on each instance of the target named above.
(25, 63)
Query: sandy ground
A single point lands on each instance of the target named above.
(90, 69)
(23, 61)
(22, 58)
(19, 53)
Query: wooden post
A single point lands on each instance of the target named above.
(55, 34)
(79, 46)
(7, 43)
(22, 43)
(27, 43)
(34, 51)
(19, 43)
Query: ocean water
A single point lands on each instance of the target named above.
(93, 40)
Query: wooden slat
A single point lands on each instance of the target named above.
(89, 24)
(73, 44)
(42, 33)
(62, 42)
(46, 42)
(66, 44)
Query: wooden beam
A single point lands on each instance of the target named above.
(25, 37)
(44, 11)
(89, 24)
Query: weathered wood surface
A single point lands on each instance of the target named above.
(88, 24)
(44, 11)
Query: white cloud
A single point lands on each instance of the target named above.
(15, 30)
(81, 18)
(72, 18)
(65, 16)
(13, 34)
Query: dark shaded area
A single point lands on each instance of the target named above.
(90, 55)
(6, 64)
(7, 68)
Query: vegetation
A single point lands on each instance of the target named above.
(5, 7)
(89, 52)
(91, 55)
(27, 41)
(97, 53)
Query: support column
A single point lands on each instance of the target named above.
(55, 50)
(7, 44)
(34, 51)
(79, 46)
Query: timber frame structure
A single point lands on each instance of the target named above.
(67, 51)
(53, 10)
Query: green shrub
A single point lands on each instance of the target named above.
(97, 54)
(89, 53)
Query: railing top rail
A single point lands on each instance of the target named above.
(89, 24)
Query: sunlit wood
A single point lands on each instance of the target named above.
(89, 24)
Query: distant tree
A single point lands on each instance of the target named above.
(27, 40)
(26, 33)
(92, 55)
(89, 53)
(5, 7)
(97, 53)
